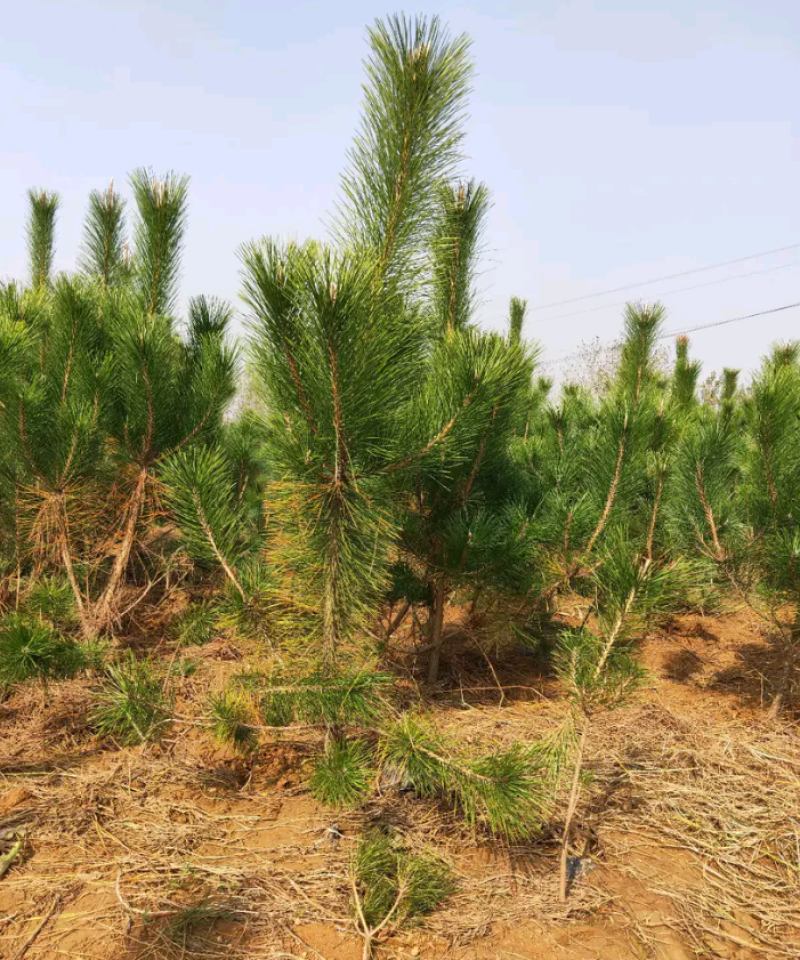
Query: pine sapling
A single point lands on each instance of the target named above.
(391, 885)
(597, 666)
(34, 650)
(130, 705)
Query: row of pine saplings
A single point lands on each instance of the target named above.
(358, 466)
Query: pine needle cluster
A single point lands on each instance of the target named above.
(34, 650)
(131, 707)
(394, 884)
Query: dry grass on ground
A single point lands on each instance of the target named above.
(690, 827)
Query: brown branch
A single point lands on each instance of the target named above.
(299, 386)
(572, 807)
(773, 493)
(66, 559)
(399, 618)
(394, 215)
(42, 924)
(70, 457)
(151, 415)
(68, 368)
(205, 527)
(338, 426)
(402, 464)
(619, 623)
(190, 436)
(133, 509)
(653, 517)
(479, 458)
(720, 553)
(612, 493)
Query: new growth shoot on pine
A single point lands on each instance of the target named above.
(161, 206)
(409, 142)
(41, 236)
(103, 250)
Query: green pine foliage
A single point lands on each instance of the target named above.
(196, 625)
(503, 791)
(408, 144)
(703, 510)
(41, 236)
(231, 715)
(32, 650)
(394, 884)
(161, 207)
(458, 222)
(97, 388)
(103, 254)
(334, 367)
(516, 318)
(51, 599)
(332, 701)
(130, 706)
(201, 492)
(344, 774)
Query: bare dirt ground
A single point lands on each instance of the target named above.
(690, 826)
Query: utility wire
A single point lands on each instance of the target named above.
(722, 323)
(671, 276)
(676, 333)
(669, 293)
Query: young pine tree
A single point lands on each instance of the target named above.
(97, 387)
(52, 421)
(771, 489)
(597, 665)
(166, 393)
(460, 524)
(341, 336)
(596, 461)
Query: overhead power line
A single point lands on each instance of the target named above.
(722, 323)
(669, 293)
(676, 333)
(670, 276)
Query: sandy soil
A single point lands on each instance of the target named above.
(690, 826)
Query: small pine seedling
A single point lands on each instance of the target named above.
(392, 885)
(231, 715)
(195, 625)
(332, 701)
(504, 791)
(52, 599)
(131, 706)
(30, 650)
(190, 929)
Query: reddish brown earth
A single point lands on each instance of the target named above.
(689, 825)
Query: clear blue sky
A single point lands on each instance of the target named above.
(622, 140)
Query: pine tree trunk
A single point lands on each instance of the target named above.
(104, 613)
(85, 622)
(437, 623)
(571, 808)
(330, 598)
(366, 950)
(787, 678)
(399, 618)
(66, 559)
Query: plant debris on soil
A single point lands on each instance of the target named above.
(688, 832)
